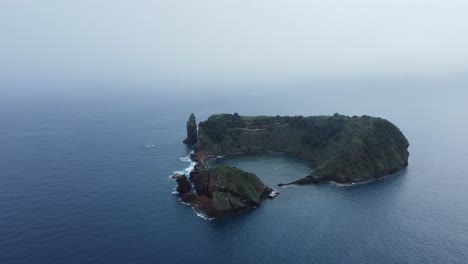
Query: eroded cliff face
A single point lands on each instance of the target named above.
(183, 184)
(223, 190)
(192, 133)
(344, 149)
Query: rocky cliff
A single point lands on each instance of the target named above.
(192, 133)
(223, 190)
(344, 149)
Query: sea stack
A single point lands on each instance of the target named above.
(191, 131)
(183, 185)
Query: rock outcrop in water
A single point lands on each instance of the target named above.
(192, 133)
(223, 190)
(344, 149)
(183, 184)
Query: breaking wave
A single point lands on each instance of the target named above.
(188, 169)
(186, 172)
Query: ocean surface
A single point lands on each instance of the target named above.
(85, 177)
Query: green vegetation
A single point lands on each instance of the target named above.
(344, 149)
(237, 182)
(223, 190)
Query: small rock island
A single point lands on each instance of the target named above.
(223, 190)
(343, 149)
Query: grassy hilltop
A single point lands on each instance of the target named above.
(344, 149)
(223, 190)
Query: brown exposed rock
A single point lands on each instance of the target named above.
(192, 133)
(183, 185)
(217, 191)
(189, 198)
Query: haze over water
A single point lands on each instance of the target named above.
(95, 96)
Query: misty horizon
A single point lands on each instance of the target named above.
(225, 40)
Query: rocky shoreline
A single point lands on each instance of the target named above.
(222, 190)
(345, 150)
(211, 195)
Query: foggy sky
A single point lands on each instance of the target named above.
(219, 39)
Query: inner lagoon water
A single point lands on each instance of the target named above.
(84, 178)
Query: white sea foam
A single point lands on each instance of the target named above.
(184, 203)
(365, 182)
(197, 212)
(176, 173)
(185, 159)
(149, 146)
(186, 172)
(289, 186)
(273, 194)
(190, 168)
(346, 184)
(202, 215)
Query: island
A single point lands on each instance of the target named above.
(343, 149)
(222, 190)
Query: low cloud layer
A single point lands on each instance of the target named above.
(219, 39)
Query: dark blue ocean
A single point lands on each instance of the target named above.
(84, 176)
